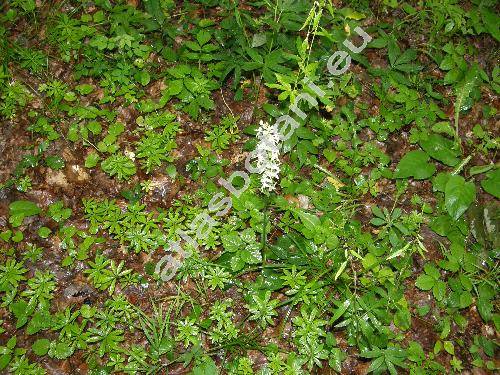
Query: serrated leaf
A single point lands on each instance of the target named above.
(258, 40)
(91, 160)
(439, 290)
(425, 282)
(41, 346)
(203, 37)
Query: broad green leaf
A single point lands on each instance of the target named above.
(84, 89)
(415, 352)
(415, 164)
(5, 360)
(55, 162)
(258, 40)
(206, 367)
(478, 169)
(376, 364)
(41, 346)
(431, 270)
(24, 208)
(203, 37)
(91, 160)
(441, 149)
(439, 182)
(485, 308)
(443, 127)
(459, 195)
(448, 346)
(143, 77)
(439, 290)
(425, 282)
(491, 184)
(232, 242)
(44, 232)
(310, 221)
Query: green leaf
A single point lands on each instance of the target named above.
(448, 346)
(459, 195)
(415, 352)
(119, 165)
(60, 350)
(415, 163)
(18, 236)
(336, 358)
(491, 184)
(432, 271)
(439, 182)
(485, 308)
(41, 321)
(5, 360)
(232, 242)
(84, 89)
(491, 21)
(94, 127)
(439, 290)
(425, 282)
(377, 221)
(203, 37)
(143, 77)
(24, 208)
(153, 7)
(41, 346)
(258, 40)
(44, 232)
(441, 149)
(55, 162)
(206, 367)
(11, 344)
(376, 364)
(443, 127)
(463, 90)
(465, 300)
(116, 129)
(478, 169)
(310, 221)
(91, 160)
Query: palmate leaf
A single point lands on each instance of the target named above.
(119, 165)
(270, 64)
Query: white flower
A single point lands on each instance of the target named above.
(267, 151)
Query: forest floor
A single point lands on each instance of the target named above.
(377, 250)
